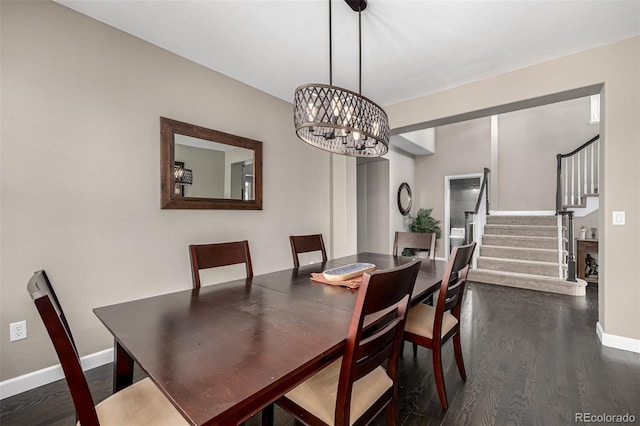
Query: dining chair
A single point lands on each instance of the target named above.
(415, 240)
(356, 387)
(306, 244)
(432, 327)
(205, 256)
(142, 403)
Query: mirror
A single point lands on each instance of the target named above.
(207, 169)
(404, 198)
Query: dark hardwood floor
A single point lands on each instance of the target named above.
(532, 358)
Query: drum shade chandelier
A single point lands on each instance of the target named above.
(339, 120)
(182, 176)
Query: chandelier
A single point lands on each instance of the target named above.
(339, 120)
(182, 176)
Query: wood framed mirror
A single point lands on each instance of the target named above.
(404, 198)
(207, 169)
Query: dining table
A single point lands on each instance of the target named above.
(222, 353)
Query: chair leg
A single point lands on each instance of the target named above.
(415, 350)
(267, 415)
(391, 414)
(457, 349)
(439, 375)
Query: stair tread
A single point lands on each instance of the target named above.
(520, 237)
(529, 282)
(531, 262)
(506, 225)
(540, 250)
(519, 274)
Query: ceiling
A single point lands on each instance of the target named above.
(409, 47)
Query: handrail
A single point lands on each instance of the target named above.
(559, 158)
(581, 147)
(483, 190)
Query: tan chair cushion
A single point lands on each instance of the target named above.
(142, 403)
(421, 318)
(318, 393)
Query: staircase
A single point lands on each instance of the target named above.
(523, 252)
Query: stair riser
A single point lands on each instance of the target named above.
(522, 254)
(559, 287)
(530, 242)
(527, 231)
(521, 268)
(522, 220)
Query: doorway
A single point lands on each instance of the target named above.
(373, 205)
(461, 195)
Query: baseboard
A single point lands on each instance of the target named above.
(617, 342)
(47, 375)
(522, 213)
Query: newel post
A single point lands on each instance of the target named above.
(571, 263)
(558, 182)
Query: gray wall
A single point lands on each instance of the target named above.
(208, 171)
(461, 148)
(373, 206)
(528, 141)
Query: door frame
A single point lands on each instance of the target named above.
(447, 206)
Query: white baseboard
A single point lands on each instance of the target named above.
(618, 342)
(47, 375)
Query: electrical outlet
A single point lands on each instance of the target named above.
(17, 331)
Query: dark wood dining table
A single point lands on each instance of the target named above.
(222, 353)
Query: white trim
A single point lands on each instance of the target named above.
(47, 375)
(523, 213)
(492, 185)
(618, 342)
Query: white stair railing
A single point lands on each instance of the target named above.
(578, 174)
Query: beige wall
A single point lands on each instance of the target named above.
(80, 173)
(617, 67)
(461, 149)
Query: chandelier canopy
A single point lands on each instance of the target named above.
(339, 120)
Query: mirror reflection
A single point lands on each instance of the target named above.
(216, 170)
(207, 169)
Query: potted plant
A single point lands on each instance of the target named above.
(425, 223)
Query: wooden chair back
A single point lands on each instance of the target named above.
(306, 244)
(375, 335)
(415, 240)
(48, 306)
(452, 287)
(205, 256)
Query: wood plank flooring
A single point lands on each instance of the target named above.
(532, 358)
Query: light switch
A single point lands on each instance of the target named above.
(618, 218)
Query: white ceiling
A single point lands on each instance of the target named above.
(410, 47)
